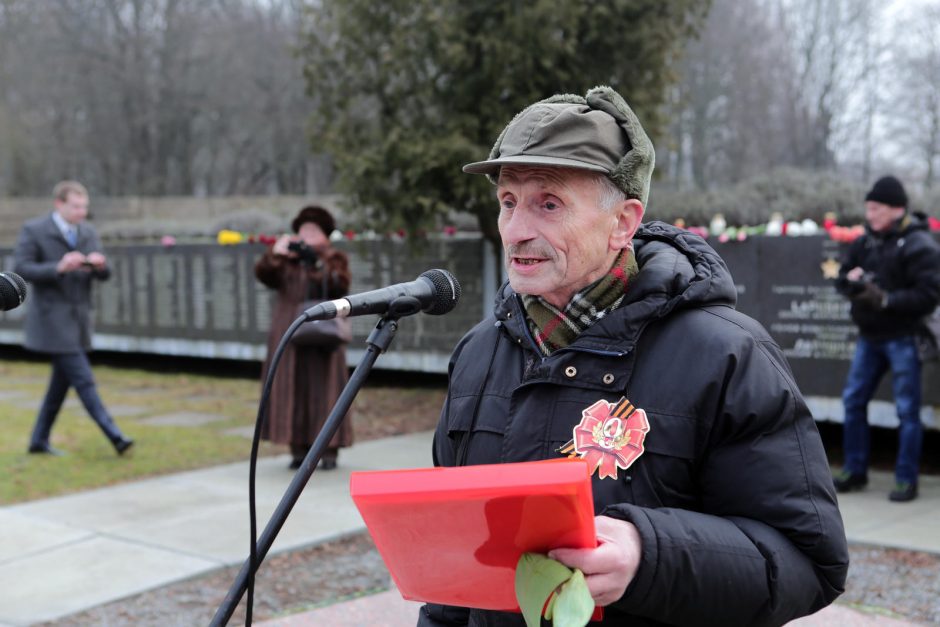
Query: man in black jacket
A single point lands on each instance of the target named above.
(722, 511)
(892, 276)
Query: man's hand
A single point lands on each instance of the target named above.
(609, 568)
(871, 296)
(70, 262)
(855, 274)
(96, 259)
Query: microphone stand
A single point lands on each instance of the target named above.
(377, 343)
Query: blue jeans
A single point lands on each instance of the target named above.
(872, 360)
(72, 370)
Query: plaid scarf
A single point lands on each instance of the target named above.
(554, 329)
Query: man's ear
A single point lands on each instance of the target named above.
(629, 215)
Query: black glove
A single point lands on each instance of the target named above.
(871, 296)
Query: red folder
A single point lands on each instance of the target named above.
(454, 535)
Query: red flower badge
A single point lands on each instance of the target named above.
(610, 435)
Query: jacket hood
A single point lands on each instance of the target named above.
(908, 223)
(678, 270)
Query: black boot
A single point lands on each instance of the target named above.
(328, 462)
(848, 482)
(903, 492)
(121, 444)
(45, 449)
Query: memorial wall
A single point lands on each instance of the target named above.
(203, 300)
(787, 284)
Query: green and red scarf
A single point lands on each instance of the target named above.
(553, 328)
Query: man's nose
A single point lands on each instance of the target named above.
(518, 227)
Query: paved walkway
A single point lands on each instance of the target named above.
(62, 555)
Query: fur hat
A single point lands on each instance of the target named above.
(598, 132)
(318, 215)
(888, 191)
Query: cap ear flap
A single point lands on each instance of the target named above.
(635, 170)
(494, 152)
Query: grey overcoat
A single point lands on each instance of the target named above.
(59, 314)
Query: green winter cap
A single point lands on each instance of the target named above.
(598, 132)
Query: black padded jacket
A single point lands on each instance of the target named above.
(905, 263)
(733, 496)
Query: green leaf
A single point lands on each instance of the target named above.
(537, 576)
(573, 605)
(550, 606)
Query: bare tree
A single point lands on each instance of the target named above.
(152, 96)
(778, 83)
(830, 39)
(737, 110)
(915, 114)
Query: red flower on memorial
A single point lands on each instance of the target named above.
(610, 436)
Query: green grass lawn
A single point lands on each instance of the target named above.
(135, 395)
(91, 461)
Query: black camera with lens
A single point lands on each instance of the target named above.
(304, 253)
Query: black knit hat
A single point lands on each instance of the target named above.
(318, 215)
(888, 191)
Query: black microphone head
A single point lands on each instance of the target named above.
(12, 290)
(446, 291)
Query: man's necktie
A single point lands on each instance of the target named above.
(71, 237)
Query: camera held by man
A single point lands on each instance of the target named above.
(862, 289)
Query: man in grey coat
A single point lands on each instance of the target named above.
(60, 254)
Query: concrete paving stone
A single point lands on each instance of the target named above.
(839, 616)
(6, 395)
(73, 403)
(405, 451)
(390, 610)
(111, 510)
(23, 535)
(197, 398)
(144, 390)
(26, 402)
(917, 534)
(243, 432)
(870, 518)
(385, 608)
(119, 411)
(41, 587)
(16, 382)
(221, 533)
(214, 523)
(116, 537)
(183, 419)
(33, 402)
(205, 512)
(323, 511)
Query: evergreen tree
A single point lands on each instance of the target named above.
(408, 91)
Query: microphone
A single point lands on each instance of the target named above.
(435, 292)
(12, 291)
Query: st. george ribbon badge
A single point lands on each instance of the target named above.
(610, 435)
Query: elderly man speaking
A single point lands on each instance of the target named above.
(725, 514)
